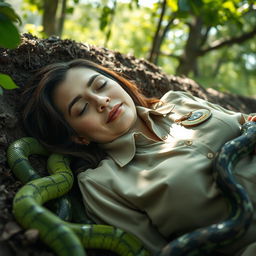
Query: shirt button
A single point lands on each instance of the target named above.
(164, 137)
(189, 142)
(210, 155)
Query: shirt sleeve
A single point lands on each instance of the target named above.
(106, 207)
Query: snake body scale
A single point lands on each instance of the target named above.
(206, 239)
(63, 237)
(19, 161)
(69, 239)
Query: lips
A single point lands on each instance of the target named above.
(114, 113)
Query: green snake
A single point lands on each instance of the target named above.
(69, 239)
(63, 237)
(62, 206)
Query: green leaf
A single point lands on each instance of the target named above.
(8, 11)
(184, 5)
(136, 2)
(3, 4)
(196, 6)
(7, 83)
(9, 34)
(70, 10)
(108, 35)
(1, 91)
(104, 19)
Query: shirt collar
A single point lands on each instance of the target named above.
(127, 142)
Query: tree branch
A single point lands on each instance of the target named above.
(231, 41)
(169, 55)
(205, 35)
(167, 27)
(151, 57)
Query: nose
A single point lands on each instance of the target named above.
(102, 102)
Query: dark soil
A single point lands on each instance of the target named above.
(35, 53)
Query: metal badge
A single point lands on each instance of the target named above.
(194, 118)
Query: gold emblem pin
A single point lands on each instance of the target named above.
(194, 118)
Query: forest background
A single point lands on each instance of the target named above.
(210, 41)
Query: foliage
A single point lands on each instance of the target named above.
(214, 48)
(127, 38)
(213, 12)
(9, 34)
(53, 15)
(130, 27)
(6, 82)
(9, 38)
(231, 68)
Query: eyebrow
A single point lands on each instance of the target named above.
(77, 98)
(92, 78)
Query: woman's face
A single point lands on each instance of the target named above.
(95, 106)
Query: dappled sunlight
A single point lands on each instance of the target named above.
(143, 181)
(180, 132)
(33, 29)
(178, 137)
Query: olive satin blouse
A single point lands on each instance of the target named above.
(158, 190)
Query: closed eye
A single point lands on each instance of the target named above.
(83, 109)
(103, 85)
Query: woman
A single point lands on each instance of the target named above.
(155, 180)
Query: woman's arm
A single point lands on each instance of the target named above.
(104, 206)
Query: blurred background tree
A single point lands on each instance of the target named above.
(210, 41)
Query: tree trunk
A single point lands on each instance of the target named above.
(188, 61)
(50, 17)
(161, 38)
(194, 46)
(60, 24)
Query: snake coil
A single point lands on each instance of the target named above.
(63, 237)
(206, 239)
(69, 239)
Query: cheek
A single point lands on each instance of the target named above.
(86, 126)
(121, 93)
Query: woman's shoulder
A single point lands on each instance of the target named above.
(172, 96)
(106, 165)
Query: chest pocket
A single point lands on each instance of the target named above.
(214, 131)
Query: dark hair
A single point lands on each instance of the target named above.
(42, 119)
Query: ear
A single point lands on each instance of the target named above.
(80, 140)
